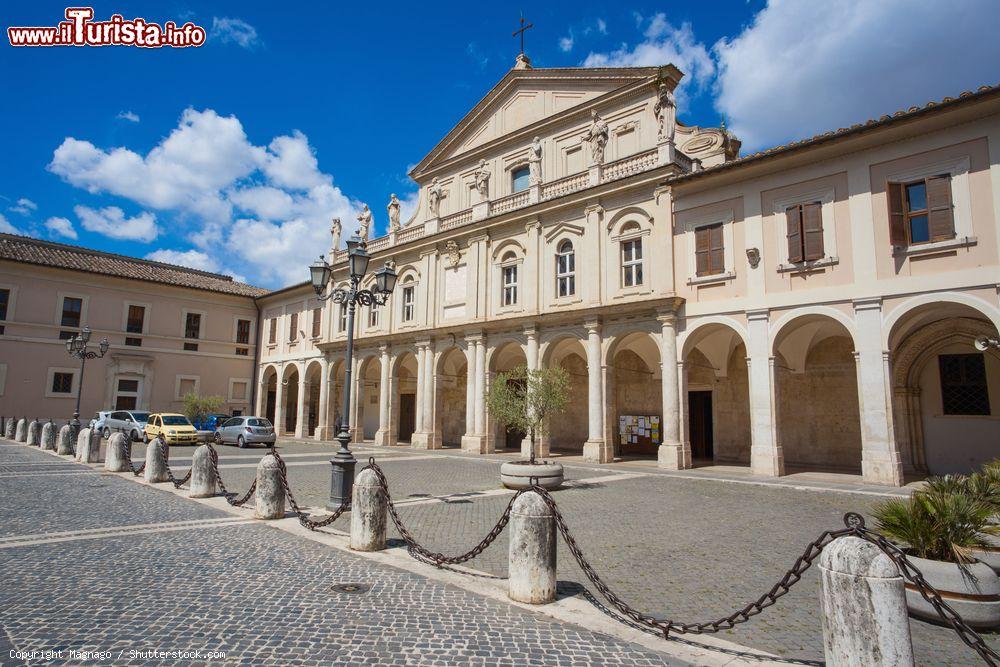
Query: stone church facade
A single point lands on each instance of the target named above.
(811, 307)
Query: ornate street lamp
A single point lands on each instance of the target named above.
(343, 462)
(77, 346)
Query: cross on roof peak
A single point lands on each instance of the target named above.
(522, 61)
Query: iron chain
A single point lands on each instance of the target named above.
(311, 524)
(127, 455)
(165, 453)
(229, 496)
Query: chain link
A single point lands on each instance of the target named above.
(228, 495)
(415, 547)
(127, 455)
(165, 453)
(311, 524)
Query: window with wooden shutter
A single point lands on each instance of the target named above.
(710, 250)
(293, 327)
(702, 248)
(812, 231)
(717, 255)
(317, 322)
(897, 215)
(793, 225)
(939, 209)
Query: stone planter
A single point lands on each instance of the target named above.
(974, 593)
(519, 475)
(991, 554)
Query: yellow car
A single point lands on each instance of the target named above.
(175, 429)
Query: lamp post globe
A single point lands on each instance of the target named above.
(77, 347)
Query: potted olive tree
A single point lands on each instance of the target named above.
(525, 400)
(943, 527)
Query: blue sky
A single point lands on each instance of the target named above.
(233, 156)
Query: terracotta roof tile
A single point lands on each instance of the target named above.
(16, 248)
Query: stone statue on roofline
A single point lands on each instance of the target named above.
(665, 111)
(483, 181)
(393, 209)
(434, 195)
(335, 230)
(364, 222)
(597, 137)
(535, 162)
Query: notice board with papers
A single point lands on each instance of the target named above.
(639, 434)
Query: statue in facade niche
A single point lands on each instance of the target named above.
(335, 230)
(535, 162)
(364, 222)
(483, 181)
(665, 111)
(393, 209)
(434, 194)
(597, 137)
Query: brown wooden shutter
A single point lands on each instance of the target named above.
(794, 233)
(317, 320)
(897, 214)
(940, 219)
(293, 329)
(717, 254)
(702, 247)
(812, 230)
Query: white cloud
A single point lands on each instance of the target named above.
(237, 31)
(291, 163)
(24, 206)
(802, 68)
(6, 227)
(408, 206)
(111, 222)
(128, 115)
(566, 43)
(602, 26)
(663, 43)
(61, 227)
(192, 259)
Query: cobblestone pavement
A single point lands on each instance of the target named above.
(258, 594)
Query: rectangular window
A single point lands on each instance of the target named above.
(317, 322)
(565, 270)
(133, 342)
(921, 211)
(4, 301)
(192, 326)
(71, 310)
(272, 334)
(135, 320)
(509, 296)
(709, 250)
(408, 299)
(342, 320)
(243, 332)
(62, 383)
(963, 384)
(804, 225)
(293, 327)
(632, 263)
(372, 316)
(519, 179)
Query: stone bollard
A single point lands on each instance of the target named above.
(864, 607)
(65, 445)
(270, 491)
(10, 429)
(34, 433)
(532, 553)
(49, 436)
(21, 434)
(114, 459)
(88, 446)
(156, 463)
(368, 508)
(202, 474)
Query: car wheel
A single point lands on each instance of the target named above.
(218, 438)
(134, 436)
(241, 442)
(107, 433)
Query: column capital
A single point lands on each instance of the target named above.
(531, 331)
(592, 325)
(485, 236)
(424, 342)
(475, 336)
(594, 208)
(384, 348)
(758, 315)
(659, 191)
(869, 303)
(532, 225)
(667, 318)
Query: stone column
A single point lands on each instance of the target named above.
(368, 513)
(357, 405)
(424, 436)
(261, 395)
(880, 459)
(323, 430)
(481, 386)
(531, 354)
(279, 404)
(597, 449)
(672, 453)
(114, 458)
(532, 551)
(301, 425)
(270, 500)
(382, 437)
(470, 386)
(475, 439)
(864, 606)
(203, 481)
(766, 457)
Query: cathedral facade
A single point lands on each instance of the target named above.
(812, 307)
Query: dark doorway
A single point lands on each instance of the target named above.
(269, 405)
(514, 436)
(125, 403)
(407, 416)
(700, 424)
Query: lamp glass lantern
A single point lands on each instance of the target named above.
(319, 273)
(385, 279)
(358, 258)
(85, 335)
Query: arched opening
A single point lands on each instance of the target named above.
(635, 390)
(568, 431)
(504, 358)
(716, 408)
(314, 378)
(945, 391)
(452, 397)
(816, 384)
(290, 408)
(335, 404)
(270, 388)
(367, 406)
(403, 418)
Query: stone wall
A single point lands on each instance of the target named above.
(452, 403)
(730, 403)
(568, 431)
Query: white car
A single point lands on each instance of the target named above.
(100, 420)
(130, 422)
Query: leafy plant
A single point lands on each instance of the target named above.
(943, 522)
(197, 408)
(525, 399)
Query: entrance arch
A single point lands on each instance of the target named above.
(506, 356)
(451, 396)
(568, 431)
(944, 390)
(314, 377)
(335, 402)
(635, 394)
(290, 402)
(366, 407)
(270, 390)
(816, 389)
(403, 413)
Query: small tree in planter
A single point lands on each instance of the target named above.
(197, 408)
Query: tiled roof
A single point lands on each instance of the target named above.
(16, 248)
(857, 128)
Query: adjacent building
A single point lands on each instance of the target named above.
(171, 331)
(810, 307)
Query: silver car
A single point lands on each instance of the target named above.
(130, 422)
(243, 431)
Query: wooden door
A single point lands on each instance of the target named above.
(407, 416)
(700, 424)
